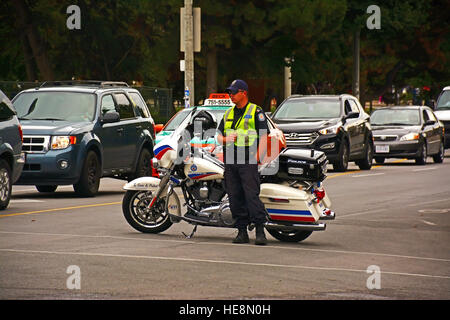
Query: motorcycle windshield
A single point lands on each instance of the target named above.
(179, 133)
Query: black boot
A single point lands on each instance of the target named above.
(260, 235)
(242, 236)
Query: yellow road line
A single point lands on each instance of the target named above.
(59, 209)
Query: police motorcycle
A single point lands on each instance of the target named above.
(291, 188)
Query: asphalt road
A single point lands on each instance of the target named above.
(389, 241)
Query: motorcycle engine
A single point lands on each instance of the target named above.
(206, 193)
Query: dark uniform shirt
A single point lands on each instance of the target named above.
(261, 127)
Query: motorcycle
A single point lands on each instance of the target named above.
(294, 197)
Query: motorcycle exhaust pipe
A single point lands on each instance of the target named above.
(303, 227)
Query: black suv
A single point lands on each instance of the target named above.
(336, 125)
(11, 155)
(77, 132)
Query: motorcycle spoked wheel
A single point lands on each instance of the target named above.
(289, 236)
(140, 217)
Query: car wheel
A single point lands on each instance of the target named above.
(46, 188)
(366, 162)
(422, 158)
(439, 157)
(143, 167)
(342, 164)
(89, 181)
(379, 160)
(5, 184)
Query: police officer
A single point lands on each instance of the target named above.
(243, 132)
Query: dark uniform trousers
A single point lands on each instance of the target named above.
(242, 182)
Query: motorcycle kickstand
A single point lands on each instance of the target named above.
(192, 233)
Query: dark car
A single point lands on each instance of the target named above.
(11, 156)
(411, 132)
(77, 132)
(336, 125)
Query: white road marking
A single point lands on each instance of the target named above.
(429, 223)
(422, 203)
(218, 262)
(368, 175)
(426, 169)
(227, 244)
(24, 200)
(360, 213)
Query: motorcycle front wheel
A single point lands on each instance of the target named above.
(140, 217)
(289, 236)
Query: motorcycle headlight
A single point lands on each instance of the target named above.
(330, 130)
(410, 136)
(62, 142)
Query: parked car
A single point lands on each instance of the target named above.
(334, 124)
(77, 132)
(442, 112)
(12, 158)
(411, 132)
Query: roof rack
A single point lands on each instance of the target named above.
(93, 83)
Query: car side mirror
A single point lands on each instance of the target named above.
(429, 122)
(350, 115)
(158, 127)
(111, 117)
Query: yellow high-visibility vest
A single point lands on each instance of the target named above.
(245, 127)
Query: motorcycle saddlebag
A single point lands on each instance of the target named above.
(302, 164)
(289, 204)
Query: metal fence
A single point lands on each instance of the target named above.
(159, 100)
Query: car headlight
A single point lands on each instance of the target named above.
(410, 136)
(62, 142)
(330, 130)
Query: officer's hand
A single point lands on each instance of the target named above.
(232, 137)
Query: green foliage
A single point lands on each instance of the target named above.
(139, 40)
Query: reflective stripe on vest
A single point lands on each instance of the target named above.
(246, 130)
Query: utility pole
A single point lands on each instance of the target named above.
(287, 78)
(355, 84)
(189, 50)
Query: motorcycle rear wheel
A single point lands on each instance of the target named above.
(136, 212)
(289, 236)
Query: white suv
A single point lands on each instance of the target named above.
(442, 112)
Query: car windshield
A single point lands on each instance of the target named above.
(308, 109)
(395, 117)
(181, 115)
(444, 101)
(62, 106)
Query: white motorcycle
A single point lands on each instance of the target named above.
(294, 197)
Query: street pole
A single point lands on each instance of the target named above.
(189, 51)
(287, 79)
(355, 84)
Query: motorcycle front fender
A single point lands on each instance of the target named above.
(143, 184)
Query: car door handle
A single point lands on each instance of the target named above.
(120, 130)
(138, 127)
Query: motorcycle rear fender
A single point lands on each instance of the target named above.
(143, 184)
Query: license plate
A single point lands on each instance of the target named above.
(382, 149)
(298, 171)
